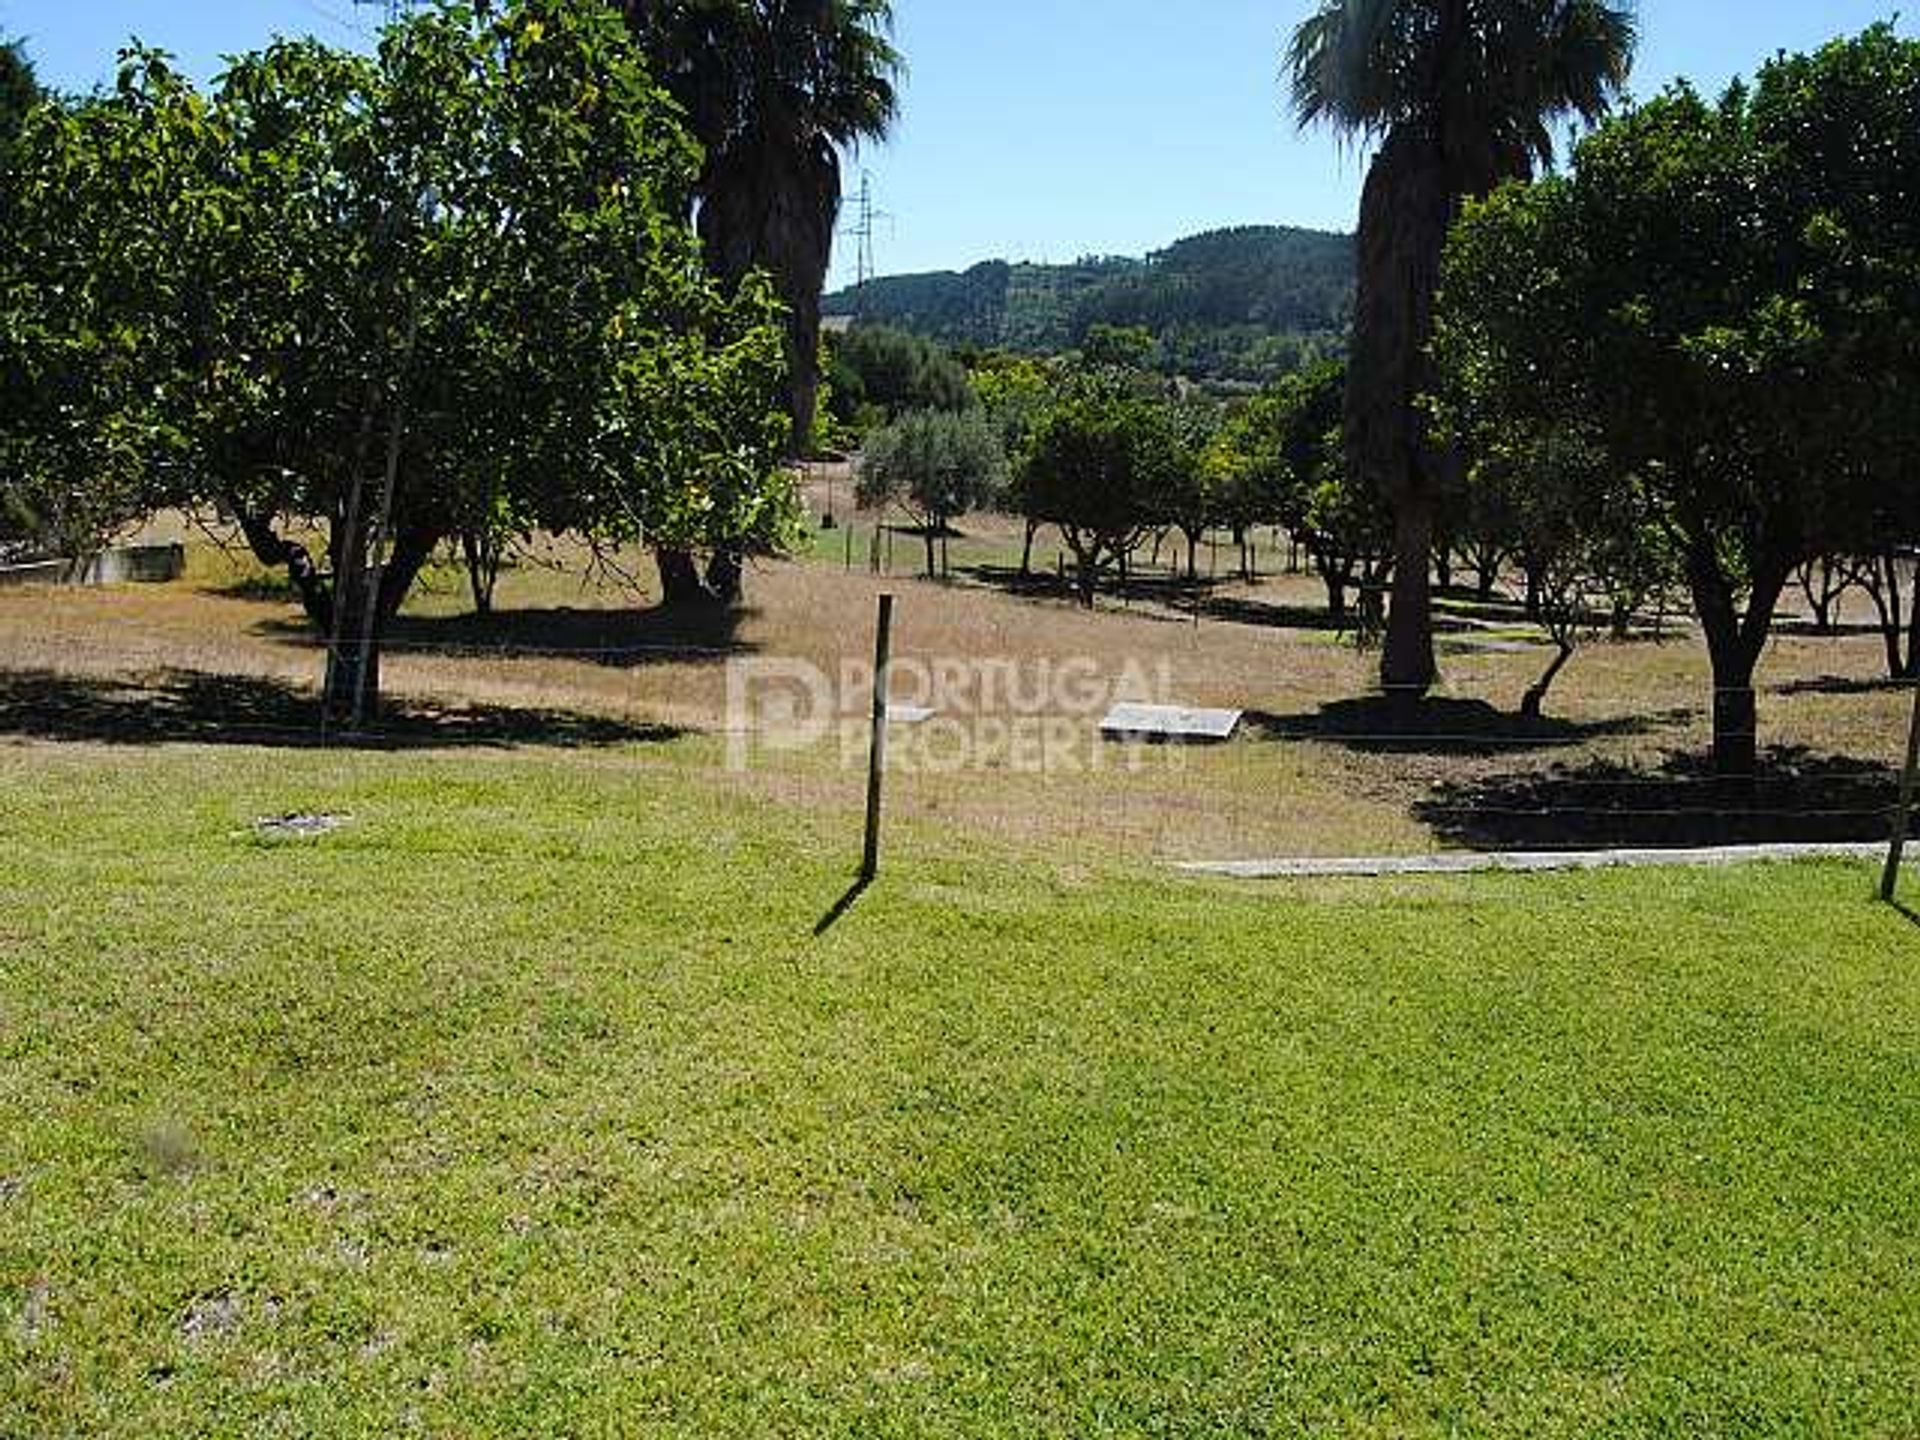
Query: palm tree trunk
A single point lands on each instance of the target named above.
(1404, 214)
(773, 203)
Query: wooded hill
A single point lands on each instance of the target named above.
(1246, 303)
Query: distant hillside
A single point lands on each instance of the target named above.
(1240, 304)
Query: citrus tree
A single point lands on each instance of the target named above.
(383, 298)
(1724, 300)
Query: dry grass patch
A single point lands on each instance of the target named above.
(1312, 774)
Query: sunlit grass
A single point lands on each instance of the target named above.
(529, 1103)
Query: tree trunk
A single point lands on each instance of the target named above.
(773, 206)
(1407, 667)
(353, 665)
(1486, 574)
(1026, 551)
(726, 574)
(1405, 210)
(680, 582)
(482, 554)
(1910, 670)
(272, 550)
(927, 535)
(1336, 584)
(1734, 645)
(1086, 575)
(344, 669)
(1736, 724)
(1535, 700)
(413, 546)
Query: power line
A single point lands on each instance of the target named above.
(861, 231)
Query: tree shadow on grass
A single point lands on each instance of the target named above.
(186, 706)
(1377, 724)
(1843, 685)
(1265, 615)
(273, 589)
(1037, 584)
(615, 639)
(1798, 797)
(1152, 588)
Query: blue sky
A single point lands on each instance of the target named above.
(1034, 129)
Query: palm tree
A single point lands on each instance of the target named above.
(1458, 96)
(775, 90)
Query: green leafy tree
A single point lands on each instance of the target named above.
(1281, 455)
(1586, 537)
(1100, 469)
(391, 296)
(879, 370)
(1459, 95)
(88, 433)
(1016, 392)
(1194, 498)
(1348, 531)
(1725, 300)
(936, 466)
(1124, 347)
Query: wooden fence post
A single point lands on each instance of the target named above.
(1903, 813)
(877, 749)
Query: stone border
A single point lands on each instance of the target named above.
(1529, 862)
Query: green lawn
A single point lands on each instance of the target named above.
(529, 1104)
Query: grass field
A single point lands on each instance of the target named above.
(561, 1091)
(530, 1102)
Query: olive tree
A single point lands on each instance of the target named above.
(936, 466)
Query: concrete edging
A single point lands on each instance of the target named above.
(1529, 862)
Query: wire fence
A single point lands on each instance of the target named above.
(1307, 773)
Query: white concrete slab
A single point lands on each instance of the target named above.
(1473, 863)
(1130, 721)
(908, 714)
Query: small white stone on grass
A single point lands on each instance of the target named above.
(298, 826)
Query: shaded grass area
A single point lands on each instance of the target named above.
(171, 706)
(1445, 726)
(530, 1102)
(1798, 796)
(614, 638)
